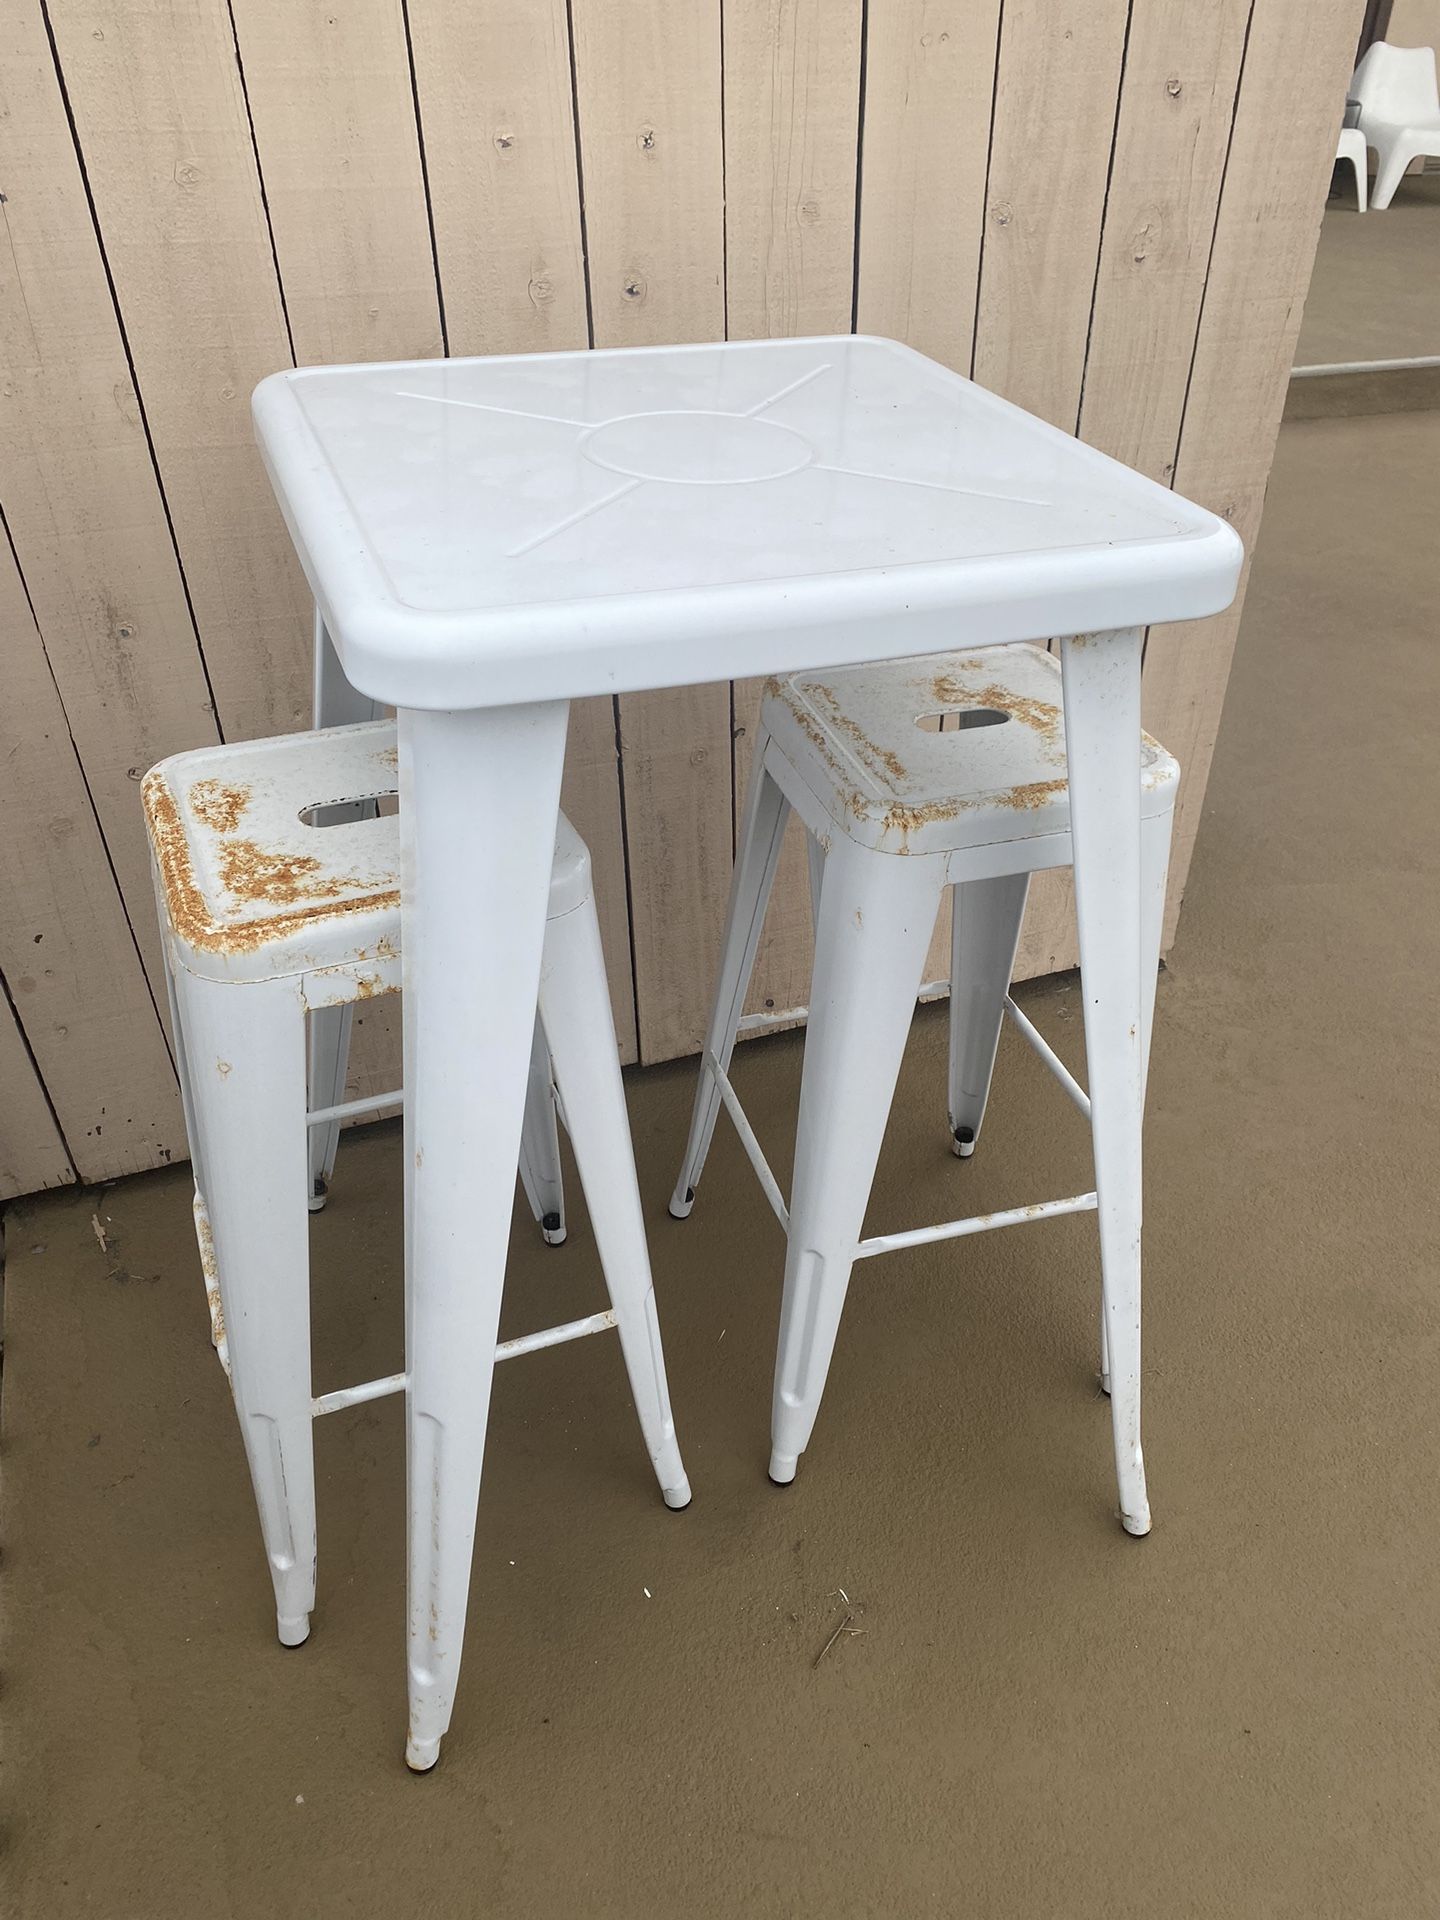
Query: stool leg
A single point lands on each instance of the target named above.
(245, 1055)
(1102, 711)
(540, 1174)
(336, 704)
(986, 932)
(575, 1009)
(877, 914)
(329, 1047)
(815, 866)
(761, 834)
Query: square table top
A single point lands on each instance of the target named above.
(490, 531)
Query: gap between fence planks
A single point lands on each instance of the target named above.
(32, 1152)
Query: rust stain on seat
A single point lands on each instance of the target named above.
(891, 762)
(219, 806)
(906, 820)
(279, 879)
(251, 875)
(1041, 716)
(1032, 794)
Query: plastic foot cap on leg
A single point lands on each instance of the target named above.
(1136, 1524)
(1104, 1379)
(681, 1203)
(421, 1755)
(782, 1468)
(963, 1141)
(677, 1498)
(552, 1227)
(319, 1194)
(293, 1628)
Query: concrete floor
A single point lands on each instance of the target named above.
(1375, 291)
(1043, 1717)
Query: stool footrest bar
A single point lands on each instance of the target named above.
(352, 1109)
(556, 1336)
(1047, 1053)
(753, 1150)
(356, 1396)
(507, 1350)
(976, 1223)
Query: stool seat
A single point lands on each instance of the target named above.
(941, 752)
(257, 885)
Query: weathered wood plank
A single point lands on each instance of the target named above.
(1054, 123)
(792, 88)
(1281, 154)
(1182, 66)
(333, 114)
(648, 91)
(81, 498)
(66, 950)
(165, 138)
(494, 91)
(929, 84)
(647, 80)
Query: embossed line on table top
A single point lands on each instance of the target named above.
(764, 469)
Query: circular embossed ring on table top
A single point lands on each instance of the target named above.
(696, 448)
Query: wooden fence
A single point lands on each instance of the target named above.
(1105, 209)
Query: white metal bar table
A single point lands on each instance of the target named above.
(489, 539)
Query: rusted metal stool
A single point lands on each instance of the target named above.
(911, 776)
(278, 890)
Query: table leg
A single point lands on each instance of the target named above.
(1102, 731)
(479, 797)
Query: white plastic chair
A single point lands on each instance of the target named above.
(1399, 111)
(1351, 146)
(277, 879)
(909, 777)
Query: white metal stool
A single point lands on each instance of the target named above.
(908, 777)
(268, 910)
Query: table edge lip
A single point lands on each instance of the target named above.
(1198, 564)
